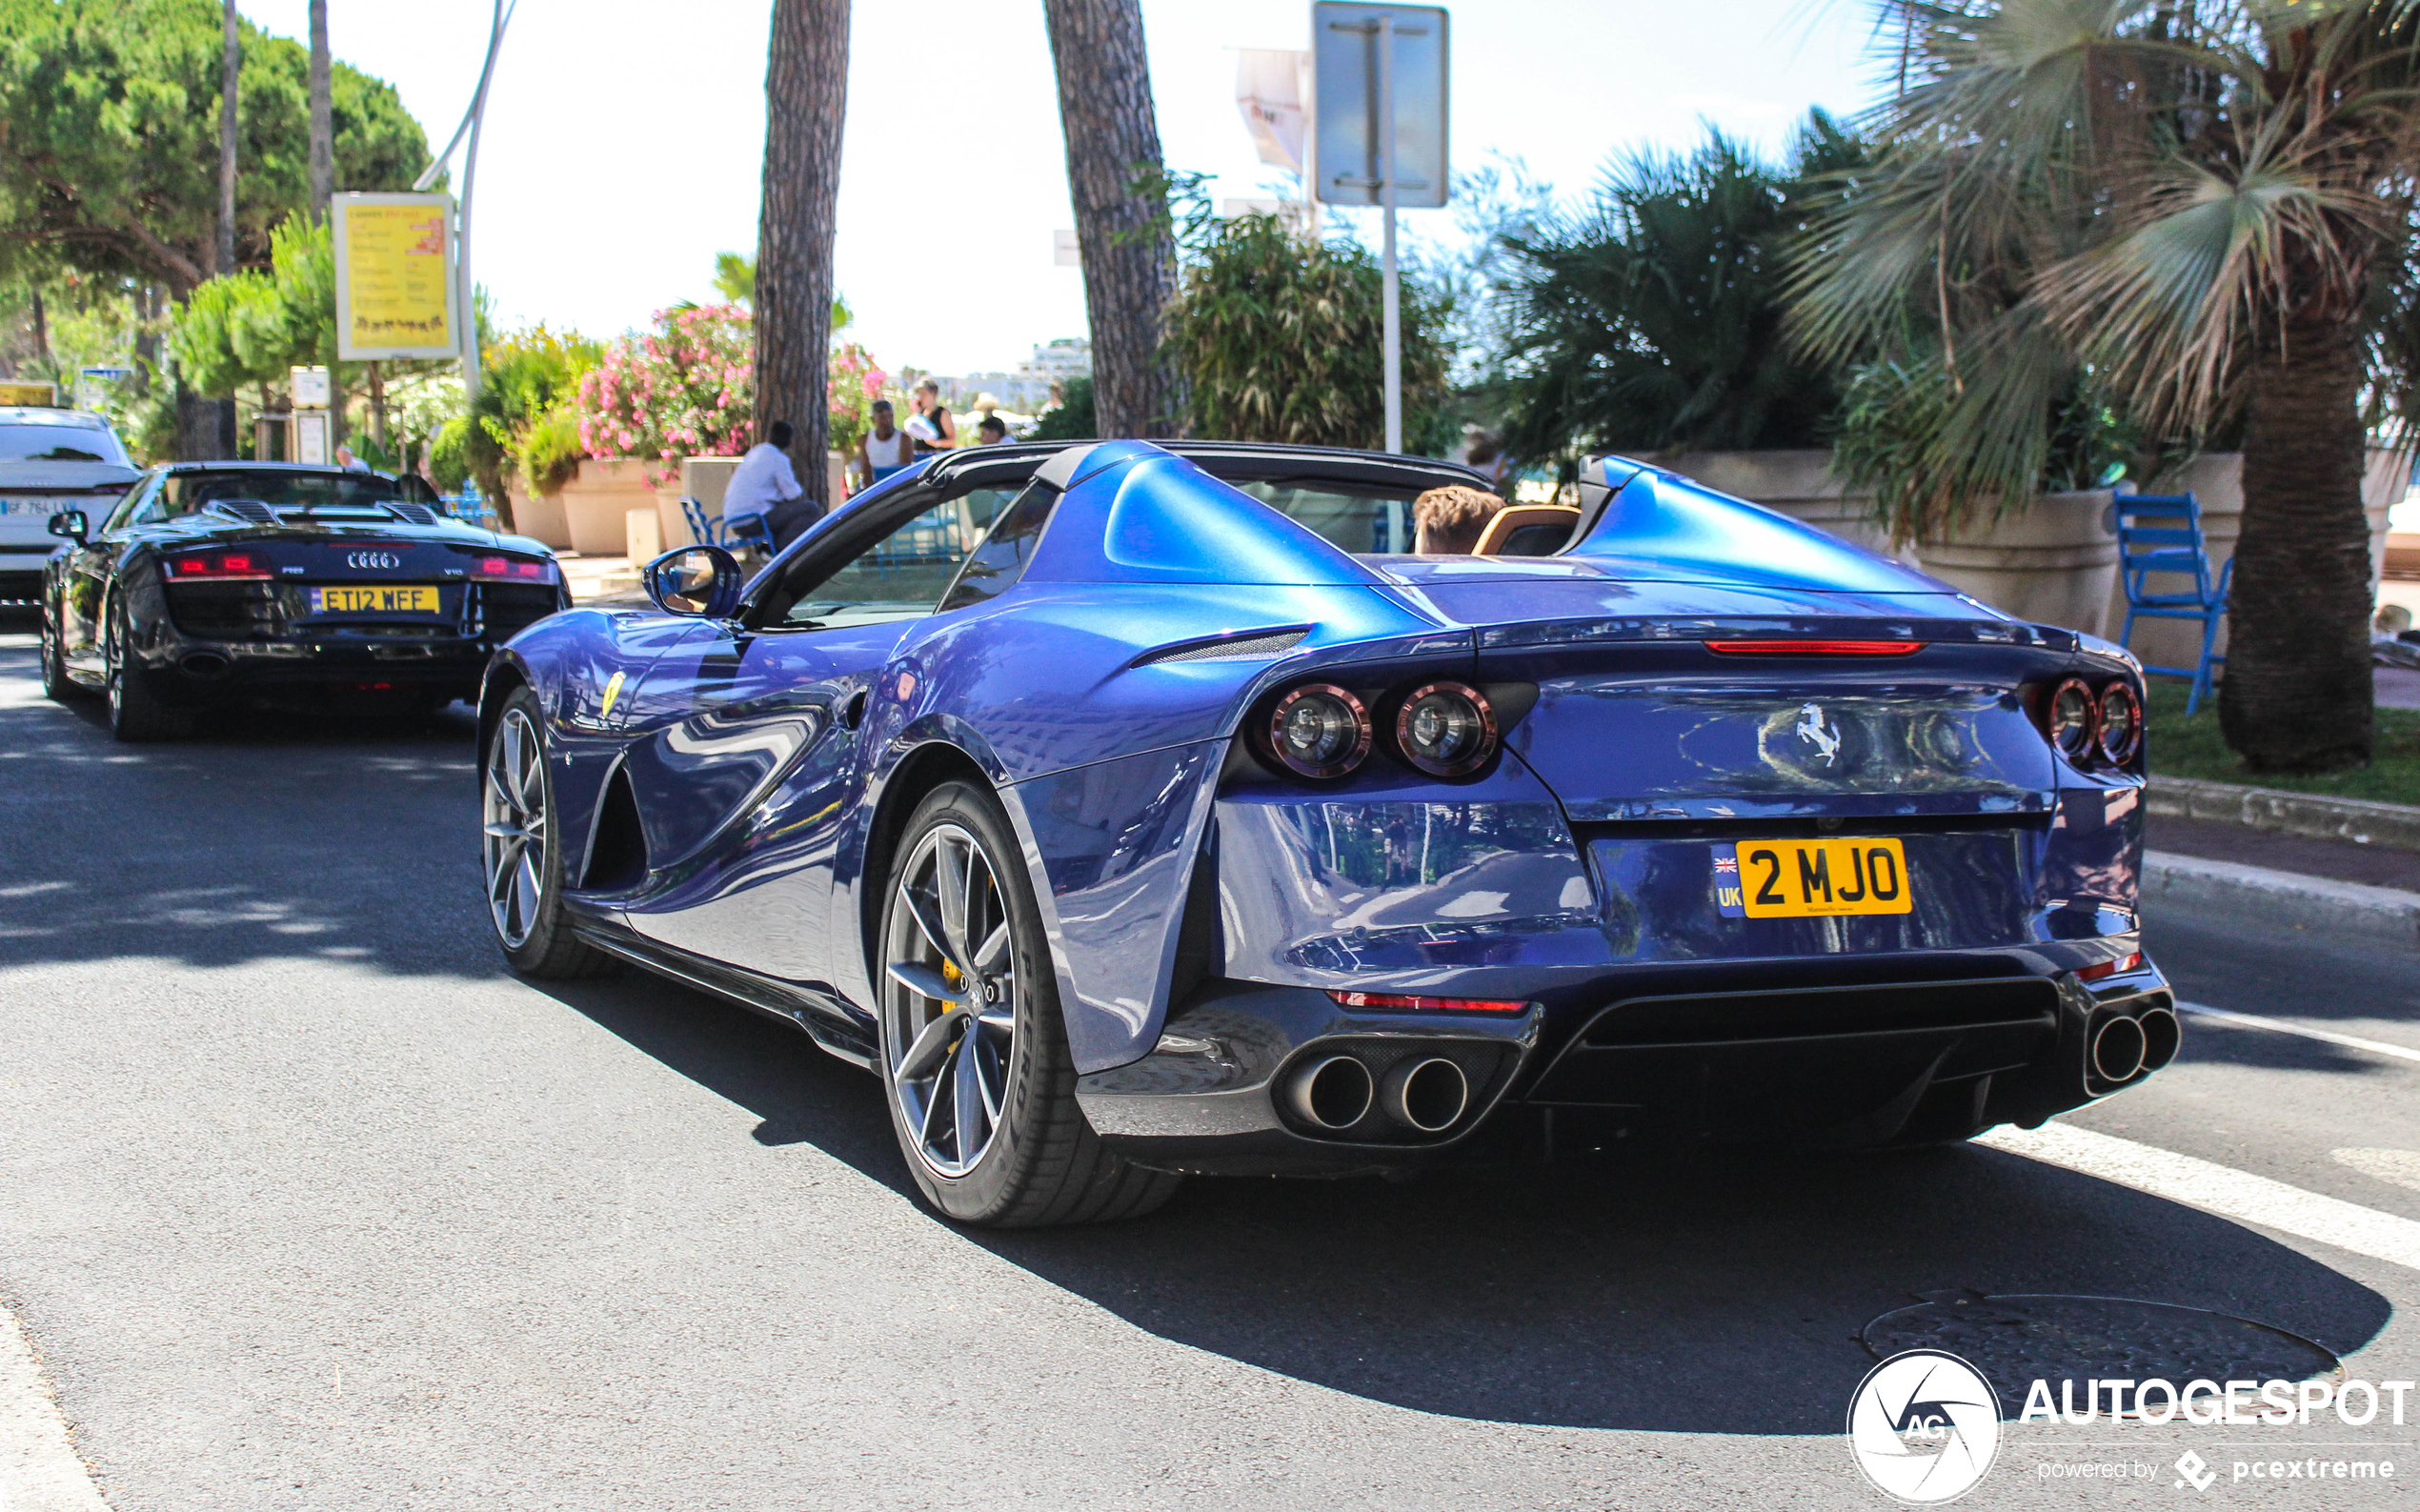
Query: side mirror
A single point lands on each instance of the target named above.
(70, 525)
(702, 582)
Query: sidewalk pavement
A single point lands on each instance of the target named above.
(2294, 881)
(596, 576)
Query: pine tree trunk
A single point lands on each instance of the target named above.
(806, 96)
(323, 123)
(1130, 261)
(230, 68)
(2297, 691)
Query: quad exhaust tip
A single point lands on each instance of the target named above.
(2118, 1048)
(2162, 1036)
(1426, 1094)
(1333, 1093)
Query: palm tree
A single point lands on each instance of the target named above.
(2201, 209)
(806, 96)
(1122, 230)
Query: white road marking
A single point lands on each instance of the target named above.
(2376, 1047)
(39, 1470)
(2401, 1167)
(2218, 1189)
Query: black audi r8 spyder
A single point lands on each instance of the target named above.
(211, 584)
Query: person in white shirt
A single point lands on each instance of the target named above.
(764, 485)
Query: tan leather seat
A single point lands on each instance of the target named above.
(1514, 519)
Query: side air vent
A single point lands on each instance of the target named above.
(250, 510)
(1245, 647)
(413, 514)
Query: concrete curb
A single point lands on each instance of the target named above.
(2288, 899)
(2356, 819)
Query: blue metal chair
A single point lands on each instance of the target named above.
(701, 530)
(2161, 533)
(747, 530)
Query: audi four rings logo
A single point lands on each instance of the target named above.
(373, 559)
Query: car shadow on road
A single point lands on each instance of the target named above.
(1712, 1292)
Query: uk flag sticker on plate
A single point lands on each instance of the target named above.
(1726, 883)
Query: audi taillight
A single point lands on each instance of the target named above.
(511, 570)
(222, 567)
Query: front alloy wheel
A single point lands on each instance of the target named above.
(523, 866)
(980, 1083)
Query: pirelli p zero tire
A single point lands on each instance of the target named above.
(521, 859)
(136, 713)
(975, 1061)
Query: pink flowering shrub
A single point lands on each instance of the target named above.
(686, 389)
(855, 384)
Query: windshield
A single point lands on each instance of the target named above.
(187, 492)
(60, 441)
(1366, 521)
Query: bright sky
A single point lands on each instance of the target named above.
(622, 139)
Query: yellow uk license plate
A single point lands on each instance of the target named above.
(1811, 878)
(374, 600)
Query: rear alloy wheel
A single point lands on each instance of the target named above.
(976, 1067)
(523, 865)
(136, 714)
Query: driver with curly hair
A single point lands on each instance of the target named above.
(1449, 520)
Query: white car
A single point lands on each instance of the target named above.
(50, 460)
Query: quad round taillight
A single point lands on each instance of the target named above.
(1318, 731)
(2120, 721)
(1446, 729)
(2069, 719)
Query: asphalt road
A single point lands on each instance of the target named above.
(307, 1204)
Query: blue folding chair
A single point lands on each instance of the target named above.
(2161, 533)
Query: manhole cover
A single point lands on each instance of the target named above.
(2017, 1340)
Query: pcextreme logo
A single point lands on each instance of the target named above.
(1923, 1427)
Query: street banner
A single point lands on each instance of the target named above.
(1273, 89)
(396, 294)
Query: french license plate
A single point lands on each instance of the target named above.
(374, 600)
(1811, 878)
(37, 506)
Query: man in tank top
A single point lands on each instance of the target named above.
(885, 448)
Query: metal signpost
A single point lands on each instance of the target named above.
(1380, 93)
(466, 292)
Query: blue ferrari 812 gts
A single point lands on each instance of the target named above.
(1135, 809)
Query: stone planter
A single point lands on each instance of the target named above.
(2052, 563)
(598, 502)
(539, 515)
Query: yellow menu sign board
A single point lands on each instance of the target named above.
(396, 294)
